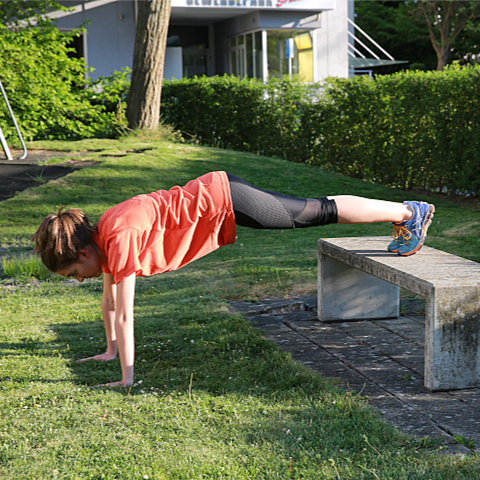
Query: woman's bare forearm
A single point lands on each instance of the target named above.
(108, 313)
(124, 327)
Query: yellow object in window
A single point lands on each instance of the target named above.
(305, 57)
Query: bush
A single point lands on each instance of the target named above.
(241, 114)
(47, 88)
(414, 130)
(110, 93)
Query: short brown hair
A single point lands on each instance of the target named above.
(60, 237)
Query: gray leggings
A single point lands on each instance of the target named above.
(258, 208)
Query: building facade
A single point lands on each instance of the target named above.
(304, 39)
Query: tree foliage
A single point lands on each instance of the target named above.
(393, 26)
(46, 86)
(427, 33)
(27, 12)
(467, 46)
(446, 20)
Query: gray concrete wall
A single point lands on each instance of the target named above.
(269, 20)
(110, 35)
(331, 40)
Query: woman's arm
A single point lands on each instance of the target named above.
(108, 312)
(125, 296)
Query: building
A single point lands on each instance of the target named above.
(305, 39)
(256, 38)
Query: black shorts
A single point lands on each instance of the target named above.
(258, 208)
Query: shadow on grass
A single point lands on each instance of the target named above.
(232, 384)
(222, 352)
(28, 346)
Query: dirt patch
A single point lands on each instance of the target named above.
(16, 178)
(19, 175)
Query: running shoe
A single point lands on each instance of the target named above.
(415, 230)
(398, 231)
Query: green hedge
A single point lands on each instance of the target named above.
(241, 114)
(412, 129)
(415, 130)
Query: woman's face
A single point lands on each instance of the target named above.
(88, 265)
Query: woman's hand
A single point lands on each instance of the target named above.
(102, 357)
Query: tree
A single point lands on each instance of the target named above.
(395, 28)
(143, 101)
(445, 20)
(46, 86)
(409, 28)
(467, 46)
(31, 11)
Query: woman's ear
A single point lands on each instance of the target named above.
(84, 253)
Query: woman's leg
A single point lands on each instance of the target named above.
(258, 208)
(352, 209)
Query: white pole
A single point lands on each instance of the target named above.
(264, 56)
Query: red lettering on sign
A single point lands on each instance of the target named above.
(281, 3)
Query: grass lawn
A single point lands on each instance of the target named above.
(213, 399)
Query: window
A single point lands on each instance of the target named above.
(246, 55)
(194, 43)
(288, 53)
(283, 62)
(77, 43)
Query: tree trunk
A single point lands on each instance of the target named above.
(442, 57)
(143, 102)
(445, 20)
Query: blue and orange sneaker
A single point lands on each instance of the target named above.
(397, 234)
(414, 231)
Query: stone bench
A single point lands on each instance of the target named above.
(359, 279)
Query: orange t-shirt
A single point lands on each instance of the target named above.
(165, 230)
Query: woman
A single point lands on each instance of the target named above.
(165, 230)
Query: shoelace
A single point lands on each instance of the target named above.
(401, 231)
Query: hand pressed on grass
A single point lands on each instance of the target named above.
(102, 357)
(121, 383)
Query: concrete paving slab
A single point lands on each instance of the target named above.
(381, 359)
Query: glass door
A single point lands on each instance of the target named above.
(237, 56)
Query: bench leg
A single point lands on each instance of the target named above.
(346, 293)
(452, 339)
